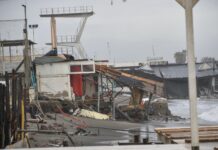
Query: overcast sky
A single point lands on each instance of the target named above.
(131, 28)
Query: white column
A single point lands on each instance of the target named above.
(188, 5)
(53, 33)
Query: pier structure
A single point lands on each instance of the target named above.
(73, 41)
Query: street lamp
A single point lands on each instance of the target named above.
(33, 27)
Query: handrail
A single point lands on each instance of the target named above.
(66, 10)
(66, 38)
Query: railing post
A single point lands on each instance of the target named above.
(2, 116)
(8, 112)
(14, 104)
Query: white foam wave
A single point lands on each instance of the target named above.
(210, 115)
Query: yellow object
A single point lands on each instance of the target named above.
(22, 118)
(93, 114)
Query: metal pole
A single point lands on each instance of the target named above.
(99, 94)
(33, 44)
(10, 53)
(101, 86)
(113, 101)
(8, 110)
(2, 58)
(114, 111)
(188, 5)
(26, 53)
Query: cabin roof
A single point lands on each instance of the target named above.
(10, 43)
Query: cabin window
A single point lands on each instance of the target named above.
(75, 68)
(88, 68)
(82, 68)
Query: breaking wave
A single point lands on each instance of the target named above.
(210, 115)
(207, 110)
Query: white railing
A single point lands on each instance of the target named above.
(66, 10)
(66, 38)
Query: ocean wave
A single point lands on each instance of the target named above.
(210, 115)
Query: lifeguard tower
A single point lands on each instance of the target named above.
(73, 41)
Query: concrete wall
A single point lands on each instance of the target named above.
(53, 80)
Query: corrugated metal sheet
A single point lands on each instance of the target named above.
(130, 82)
(144, 74)
(181, 71)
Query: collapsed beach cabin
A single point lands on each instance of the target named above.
(62, 77)
(175, 78)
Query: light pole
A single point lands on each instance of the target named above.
(33, 27)
(26, 52)
(188, 6)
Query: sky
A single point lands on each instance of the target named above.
(128, 31)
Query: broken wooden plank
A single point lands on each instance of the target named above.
(204, 140)
(170, 135)
(186, 129)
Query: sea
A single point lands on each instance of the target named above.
(207, 110)
(207, 116)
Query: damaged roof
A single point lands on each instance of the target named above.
(173, 71)
(53, 57)
(6, 43)
(48, 59)
(130, 82)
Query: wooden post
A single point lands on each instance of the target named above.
(2, 116)
(26, 53)
(8, 114)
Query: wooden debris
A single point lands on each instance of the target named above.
(173, 135)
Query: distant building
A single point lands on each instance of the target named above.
(175, 78)
(180, 57)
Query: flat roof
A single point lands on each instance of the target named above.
(7, 43)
